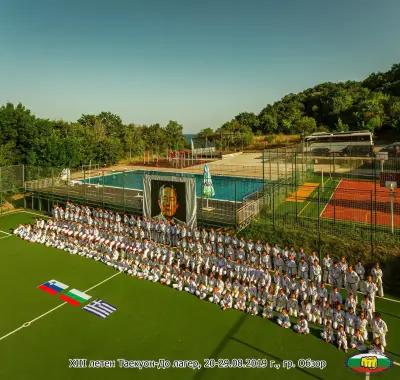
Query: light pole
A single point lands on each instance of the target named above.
(391, 185)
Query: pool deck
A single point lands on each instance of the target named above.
(247, 165)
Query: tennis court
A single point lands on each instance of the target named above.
(364, 202)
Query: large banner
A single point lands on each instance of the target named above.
(170, 198)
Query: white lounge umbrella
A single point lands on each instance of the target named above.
(208, 188)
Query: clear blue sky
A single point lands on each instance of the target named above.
(198, 62)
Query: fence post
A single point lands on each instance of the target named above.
(319, 223)
(102, 188)
(235, 205)
(273, 206)
(263, 174)
(270, 169)
(295, 201)
(123, 190)
(375, 180)
(371, 229)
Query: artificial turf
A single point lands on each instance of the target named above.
(151, 322)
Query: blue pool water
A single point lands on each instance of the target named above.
(226, 188)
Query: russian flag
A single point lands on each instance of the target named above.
(53, 287)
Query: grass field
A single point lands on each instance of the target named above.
(152, 322)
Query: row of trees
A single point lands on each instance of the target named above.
(101, 138)
(372, 104)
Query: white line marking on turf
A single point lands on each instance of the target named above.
(4, 232)
(5, 237)
(395, 363)
(34, 213)
(27, 324)
(311, 198)
(24, 211)
(330, 198)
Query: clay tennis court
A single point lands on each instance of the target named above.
(353, 201)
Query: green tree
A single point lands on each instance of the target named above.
(206, 132)
(248, 119)
(305, 125)
(174, 135)
(133, 139)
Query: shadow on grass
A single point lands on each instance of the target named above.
(392, 353)
(221, 345)
(390, 314)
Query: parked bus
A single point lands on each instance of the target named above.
(352, 143)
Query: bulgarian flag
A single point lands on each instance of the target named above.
(75, 297)
(53, 287)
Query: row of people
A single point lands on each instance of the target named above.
(272, 257)
(240, 286)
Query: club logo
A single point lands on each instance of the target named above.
(369, 363)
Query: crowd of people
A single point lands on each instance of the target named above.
(252, 276)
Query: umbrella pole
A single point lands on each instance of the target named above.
(207, 202)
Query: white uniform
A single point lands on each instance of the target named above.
(352, 281)
(284, 321)
(357, 342)
(302, 327)
(326, 266)
(370, 289)
(342, 340)
(361, 274)
(379, 329)
(377, 276)
(327, 334)
(293, 307)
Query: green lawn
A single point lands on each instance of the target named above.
(152, 322)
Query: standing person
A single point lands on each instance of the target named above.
(359, 268)
(316, 272)
(335, 296)
(326, 267)
(352, 281)
(343, 271)
(291, 265)
(367, 307)
(370, 290)
(334, 274)
(379, 328)
(303, 269)
(377, 275)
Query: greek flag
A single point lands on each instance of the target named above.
(100, 308)
(208, 188)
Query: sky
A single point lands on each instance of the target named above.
(198, 62)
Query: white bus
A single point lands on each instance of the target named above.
(352, 143)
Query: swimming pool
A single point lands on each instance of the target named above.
(225, 187)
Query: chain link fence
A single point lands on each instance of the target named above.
(333, 196)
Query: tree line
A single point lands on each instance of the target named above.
(102, 138)
(372, 104)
